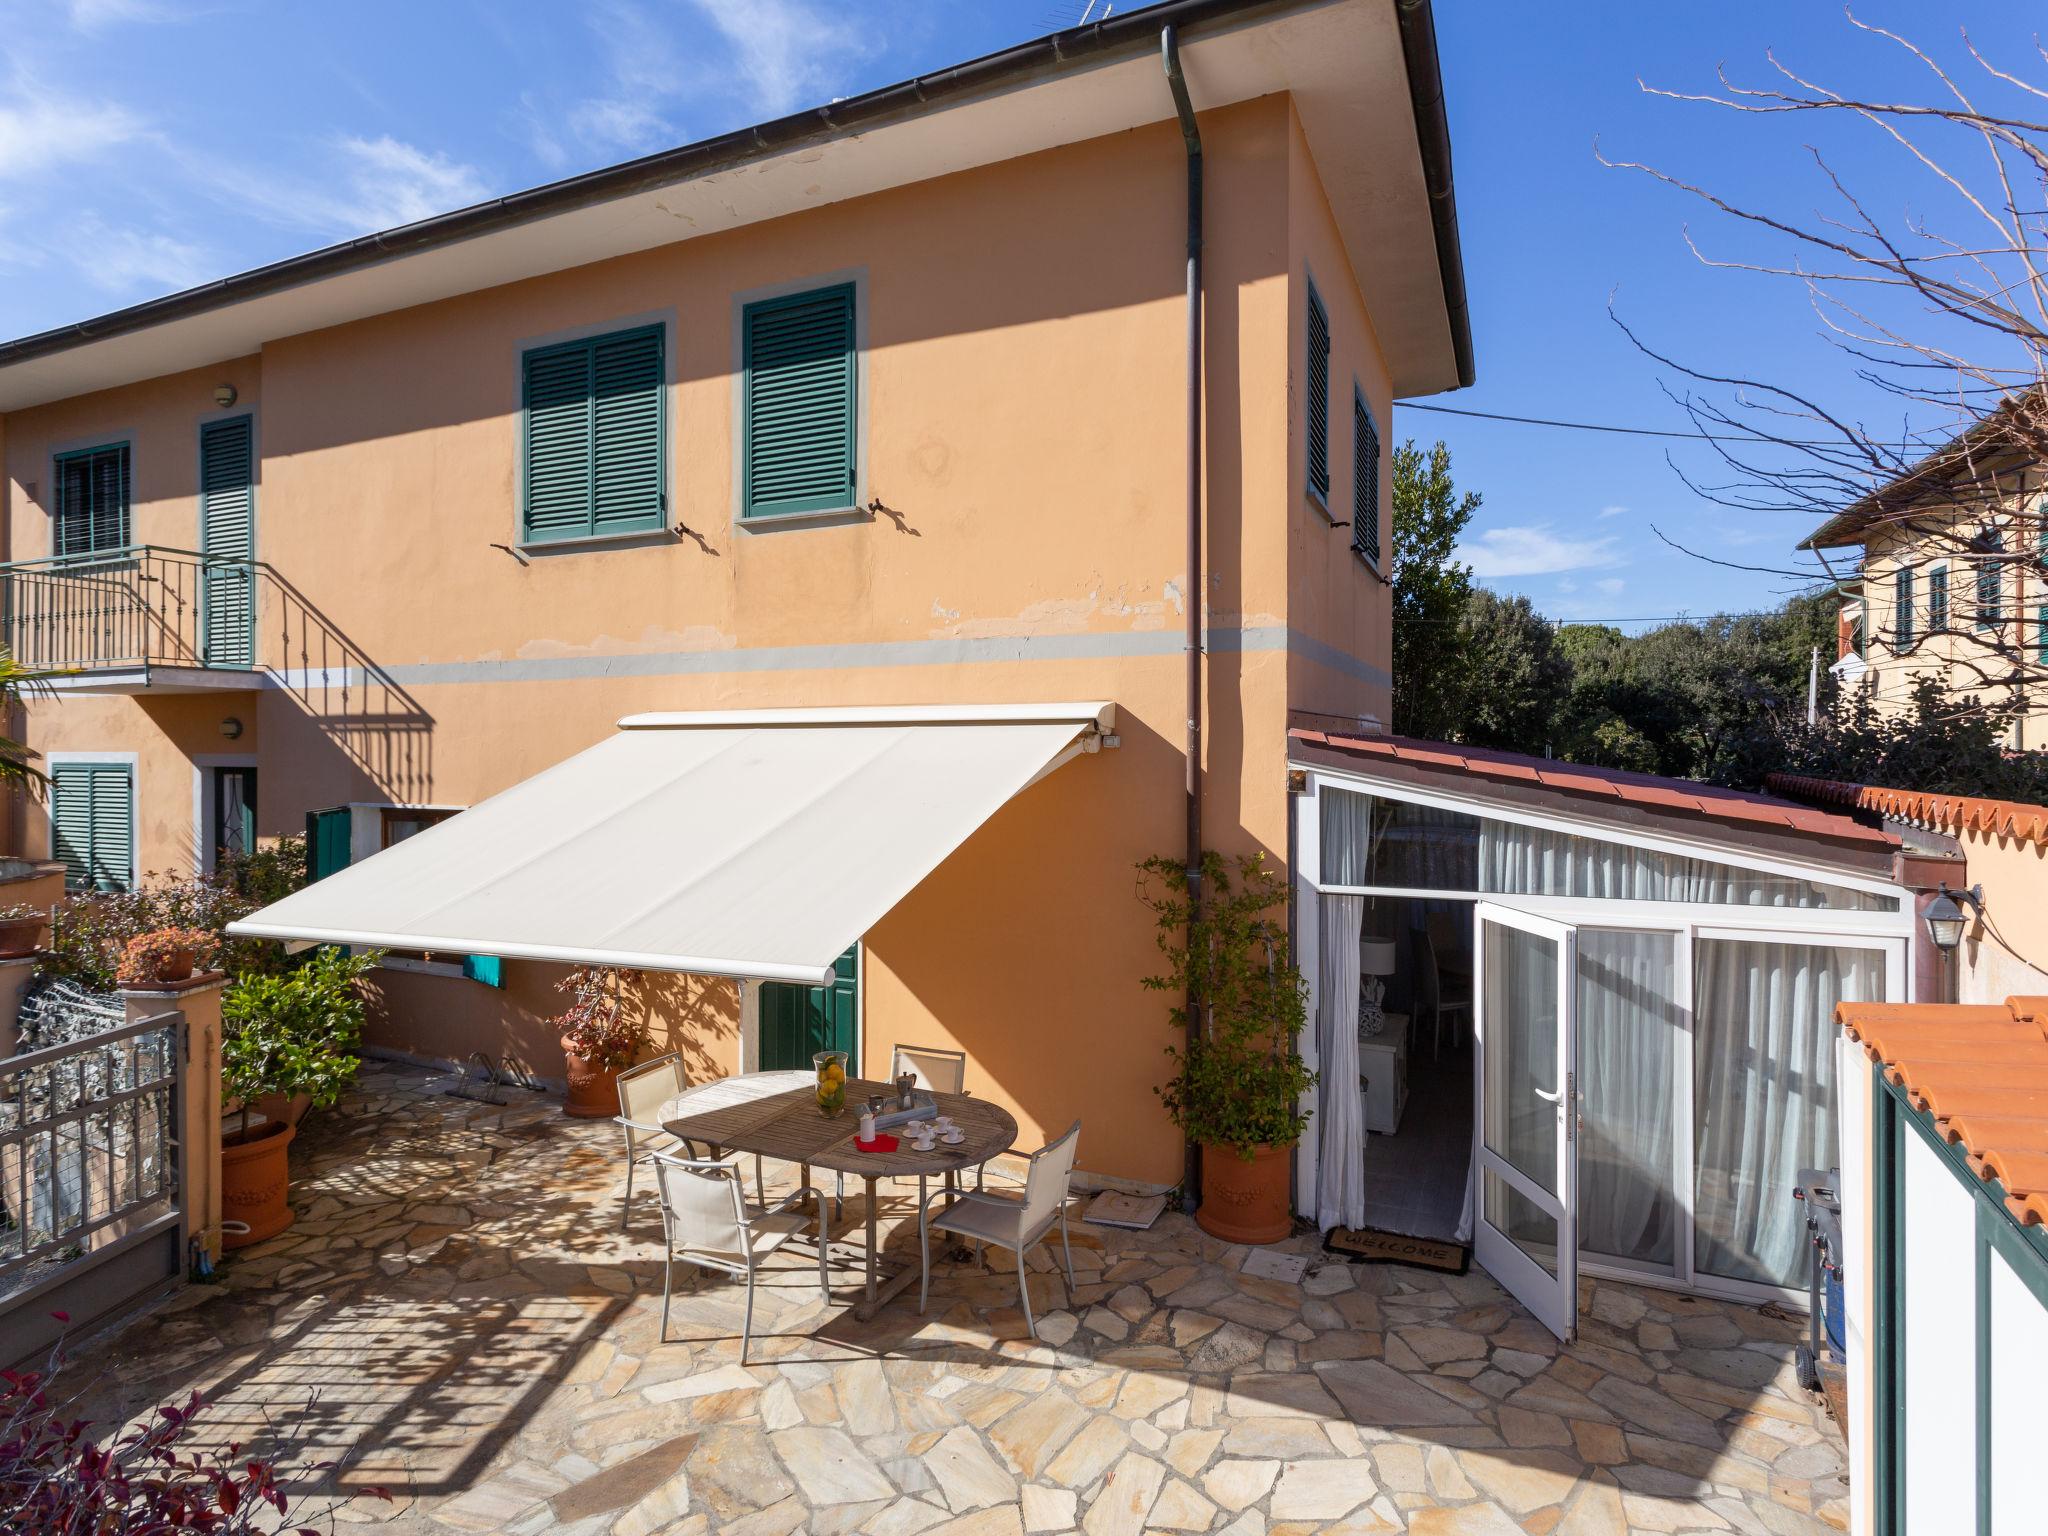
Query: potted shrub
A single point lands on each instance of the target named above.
(289, 1036)
(21, 929)
(600, 1038)
(1237, 1079)
(162, 955)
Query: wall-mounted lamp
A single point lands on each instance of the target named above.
(1945, 917)
(231, 728)
(224, 395)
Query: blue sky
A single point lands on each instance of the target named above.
(146, 145)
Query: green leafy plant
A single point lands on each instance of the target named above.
(1238, 1080)
(164, 954)
(601, 1023)
(295, 1033)
(91, 929)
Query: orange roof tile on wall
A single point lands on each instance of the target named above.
(1981, 1073)
(1940, 813)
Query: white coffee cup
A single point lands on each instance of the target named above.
(954, 1137)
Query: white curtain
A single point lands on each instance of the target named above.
(1347, 829)
(1515, 860)
(1340, 1117)
(1764, 1094)
(1629, 1021)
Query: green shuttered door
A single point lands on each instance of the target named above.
(227, 533)
(798, 1022)
(593, 438)
(1318, 397)
(799, 435)
(92, 815)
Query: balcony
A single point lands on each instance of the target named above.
(146, 619)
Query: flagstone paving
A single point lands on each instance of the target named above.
(457, 1315)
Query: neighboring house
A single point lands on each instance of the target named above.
(1949, 582)
(1996, 848)
(882, 404)
(1945, 1264)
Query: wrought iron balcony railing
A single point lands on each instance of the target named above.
(129, 611)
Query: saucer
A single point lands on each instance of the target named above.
(953, 1138)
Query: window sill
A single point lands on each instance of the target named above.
(769, 521)
(595, 542)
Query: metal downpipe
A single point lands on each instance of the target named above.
(1193, 599)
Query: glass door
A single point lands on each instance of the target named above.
(1526, 1231)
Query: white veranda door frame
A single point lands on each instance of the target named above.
(1543, 1276)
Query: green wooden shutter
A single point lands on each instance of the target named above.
(593, 440)
(92, 500)
(1318, 397)
(1990, 582)
(227, 533)
(626, 417)
(1365, 481)
(798, 447)
(92, 818)
(327, 842)
(1937, 600)
(1902, 610)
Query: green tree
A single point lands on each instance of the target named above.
(1431, 590)
(1522, 679)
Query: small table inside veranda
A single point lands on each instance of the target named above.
(776, 1114)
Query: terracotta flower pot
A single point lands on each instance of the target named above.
(593, 1087)
(177, 965)
(20, 936)
(254, 1177)
(1245, 1202)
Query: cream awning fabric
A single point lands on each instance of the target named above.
(757, 843)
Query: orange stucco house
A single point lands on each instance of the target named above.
(882, 406)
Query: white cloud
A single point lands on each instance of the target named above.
(91, 15)
(1612, 511)
(391, 182)
(134, 262)
(41, 131)
(1613, 586)
(785, 51)
(1533, 551)
(363, 185)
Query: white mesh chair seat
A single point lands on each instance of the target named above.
(982, 1216)
(707, 1221)
(1016, 1222)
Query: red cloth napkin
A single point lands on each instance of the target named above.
(883, 1142)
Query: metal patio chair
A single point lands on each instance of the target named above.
(642, 1091)
(1016, 1222)
(708, 1221)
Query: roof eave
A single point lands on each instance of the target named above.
(1116, 36)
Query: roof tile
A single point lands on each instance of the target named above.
(1708, 802)
(1981, 1072)
(1939, 813)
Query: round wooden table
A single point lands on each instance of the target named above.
(776, 1114)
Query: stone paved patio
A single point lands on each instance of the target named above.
(457, 1311)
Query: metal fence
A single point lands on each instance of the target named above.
(88, 1149)
(128, 608)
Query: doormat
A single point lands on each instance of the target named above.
(1378, 1247)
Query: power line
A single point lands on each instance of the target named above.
(1594, 426)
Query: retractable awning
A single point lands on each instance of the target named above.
(756, 843)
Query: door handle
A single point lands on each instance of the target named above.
(1548, 1097)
